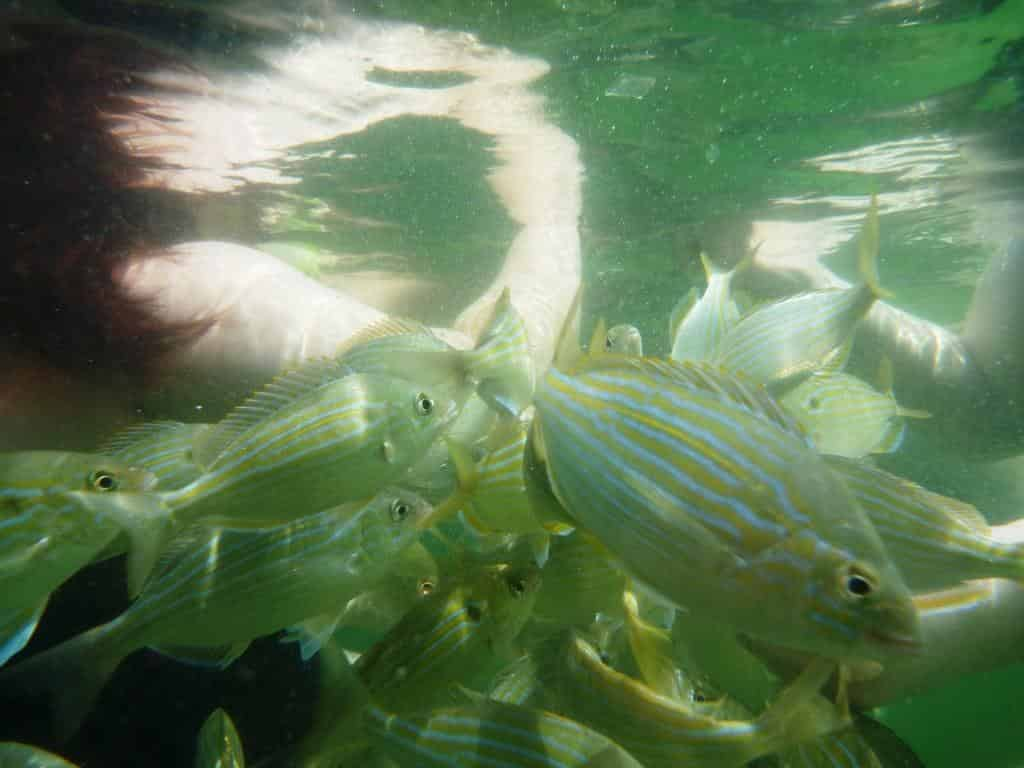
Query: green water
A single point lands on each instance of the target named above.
(729, 101)
(694, 119)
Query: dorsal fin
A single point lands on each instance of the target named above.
(567, 351)
(735, 387)
(283, 390)
(136, 433)
(383, 328)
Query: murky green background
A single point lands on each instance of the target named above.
(694, 118)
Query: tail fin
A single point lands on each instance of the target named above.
(501, 361)
(799, 713)
(70, 676)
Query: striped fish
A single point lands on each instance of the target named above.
(624, 339)
(936, 541)
(301, 446)
(463, 633)
(843, 749)
(460, 631)
(846, 416)
(663, 732)
(218, 744)
(44, 541)
(711, 501)
(499, 366)
(220, 588)
(698, 326)
(796, 335)
(15, 755)
(491, 486)
(29, 474)
(164, 448)
(58, 512)
(492, 734)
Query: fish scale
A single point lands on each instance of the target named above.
(340, 442)
(717, 507)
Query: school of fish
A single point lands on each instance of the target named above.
(624, 560)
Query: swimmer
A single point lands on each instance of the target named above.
(117, 317)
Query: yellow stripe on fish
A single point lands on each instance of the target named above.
(936, 541)
(493, 735)
(718, 507)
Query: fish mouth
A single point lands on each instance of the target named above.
(901, 641)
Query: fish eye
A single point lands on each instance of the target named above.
(517, 587)
(605, 658)
(426, 587)
(474, 612)
(814, 403)
(857, 584)
(399, 511)
(424, 404)
(103, 481)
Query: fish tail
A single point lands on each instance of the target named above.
(69, 677)
(501, 362)
(867, 253)
(799, 713)
(466, 481)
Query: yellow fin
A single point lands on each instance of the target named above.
(466, 479)
(867, 252)
(567, 351)
(652, 650)
(284, 389)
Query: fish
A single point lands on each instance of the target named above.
(44, 541)
(58, 512)
(219, 588)
(15, 755)
(164, 448)
(463, 632)
(580, 580)
(936, 541)
(624, 339)
(499, 368)
(29, 474)
(652, 652)
(846, 416)
(492, 734)
(463, 628)
(713, 502)
(660, 731)
(314, 438)
(218, 744)
(698, 326)
(796, 335)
